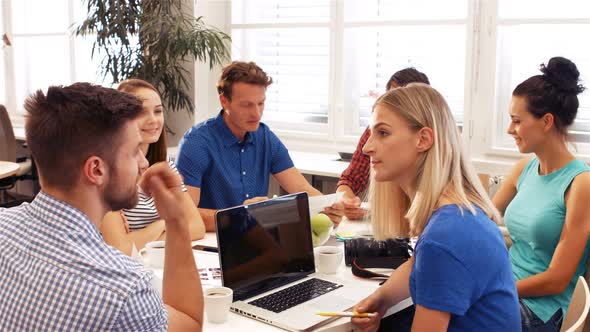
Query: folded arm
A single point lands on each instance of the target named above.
(116, 234)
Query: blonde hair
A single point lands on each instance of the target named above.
(443, 171)
(389, 207)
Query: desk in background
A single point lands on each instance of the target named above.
(8, 168)
(19, 133)
(322, 170)
(319, 164)
(22, 150)
(312, 163)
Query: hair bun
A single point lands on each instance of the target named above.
(563, 75)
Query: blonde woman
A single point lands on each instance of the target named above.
(460, 277)
(355, 178)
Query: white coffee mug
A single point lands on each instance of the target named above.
(218, 300)
(328, 259)
(153, 254)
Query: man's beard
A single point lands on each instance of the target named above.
(116, 199)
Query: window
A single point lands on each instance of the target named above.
(530, 33)
(332, 59)
(2, 58)
(297, 61)
(384, 36)
(43, 51)
(290, 40)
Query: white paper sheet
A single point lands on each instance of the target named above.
(318, 203)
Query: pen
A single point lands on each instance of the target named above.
(347, 314)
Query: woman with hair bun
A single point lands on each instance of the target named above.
(544, 197)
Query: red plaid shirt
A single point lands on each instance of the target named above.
(356, 176)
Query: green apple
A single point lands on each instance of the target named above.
(320, 225)
(315, 240)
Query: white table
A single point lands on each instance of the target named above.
(8, 168)
(312, 163)
(318, 164)
(19, 133)
(237, 322)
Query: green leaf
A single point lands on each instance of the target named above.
(151, 40)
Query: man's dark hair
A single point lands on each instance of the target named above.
(239, 71)
(406, 76)
(70, 124)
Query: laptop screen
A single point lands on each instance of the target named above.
(265, 245)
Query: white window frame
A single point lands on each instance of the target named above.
(307, 127)
(480, 88)
(479, 97)
(481, 136)
(335, 135)
(17, 111)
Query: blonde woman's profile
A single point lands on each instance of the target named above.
(459, 277)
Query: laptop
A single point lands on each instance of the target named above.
(266, 257)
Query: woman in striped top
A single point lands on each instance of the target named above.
(142, 224)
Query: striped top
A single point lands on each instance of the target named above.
(57, 274)
(145, 212)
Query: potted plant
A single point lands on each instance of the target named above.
(153, 40)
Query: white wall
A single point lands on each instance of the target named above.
(216, 13)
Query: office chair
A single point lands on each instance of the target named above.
(8, 146)
(577, 311)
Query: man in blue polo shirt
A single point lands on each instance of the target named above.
(228, 160)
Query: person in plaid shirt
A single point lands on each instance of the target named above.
(355, 178)
(56, 271)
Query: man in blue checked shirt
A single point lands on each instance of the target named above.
(227, 160)
(56, 272)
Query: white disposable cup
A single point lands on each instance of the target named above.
(153, 254)
(217, 303)
(328, 259)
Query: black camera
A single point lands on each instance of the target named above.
(369, 253)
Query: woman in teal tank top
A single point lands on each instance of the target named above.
(544, 197)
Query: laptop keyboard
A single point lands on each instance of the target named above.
(294, 295)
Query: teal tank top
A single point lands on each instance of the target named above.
(535, 218)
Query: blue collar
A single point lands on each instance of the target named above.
(228, 137)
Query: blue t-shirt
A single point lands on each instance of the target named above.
(227, 170)
(461, 266)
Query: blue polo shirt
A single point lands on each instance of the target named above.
(227, 170)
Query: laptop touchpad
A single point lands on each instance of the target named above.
(331, 303)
